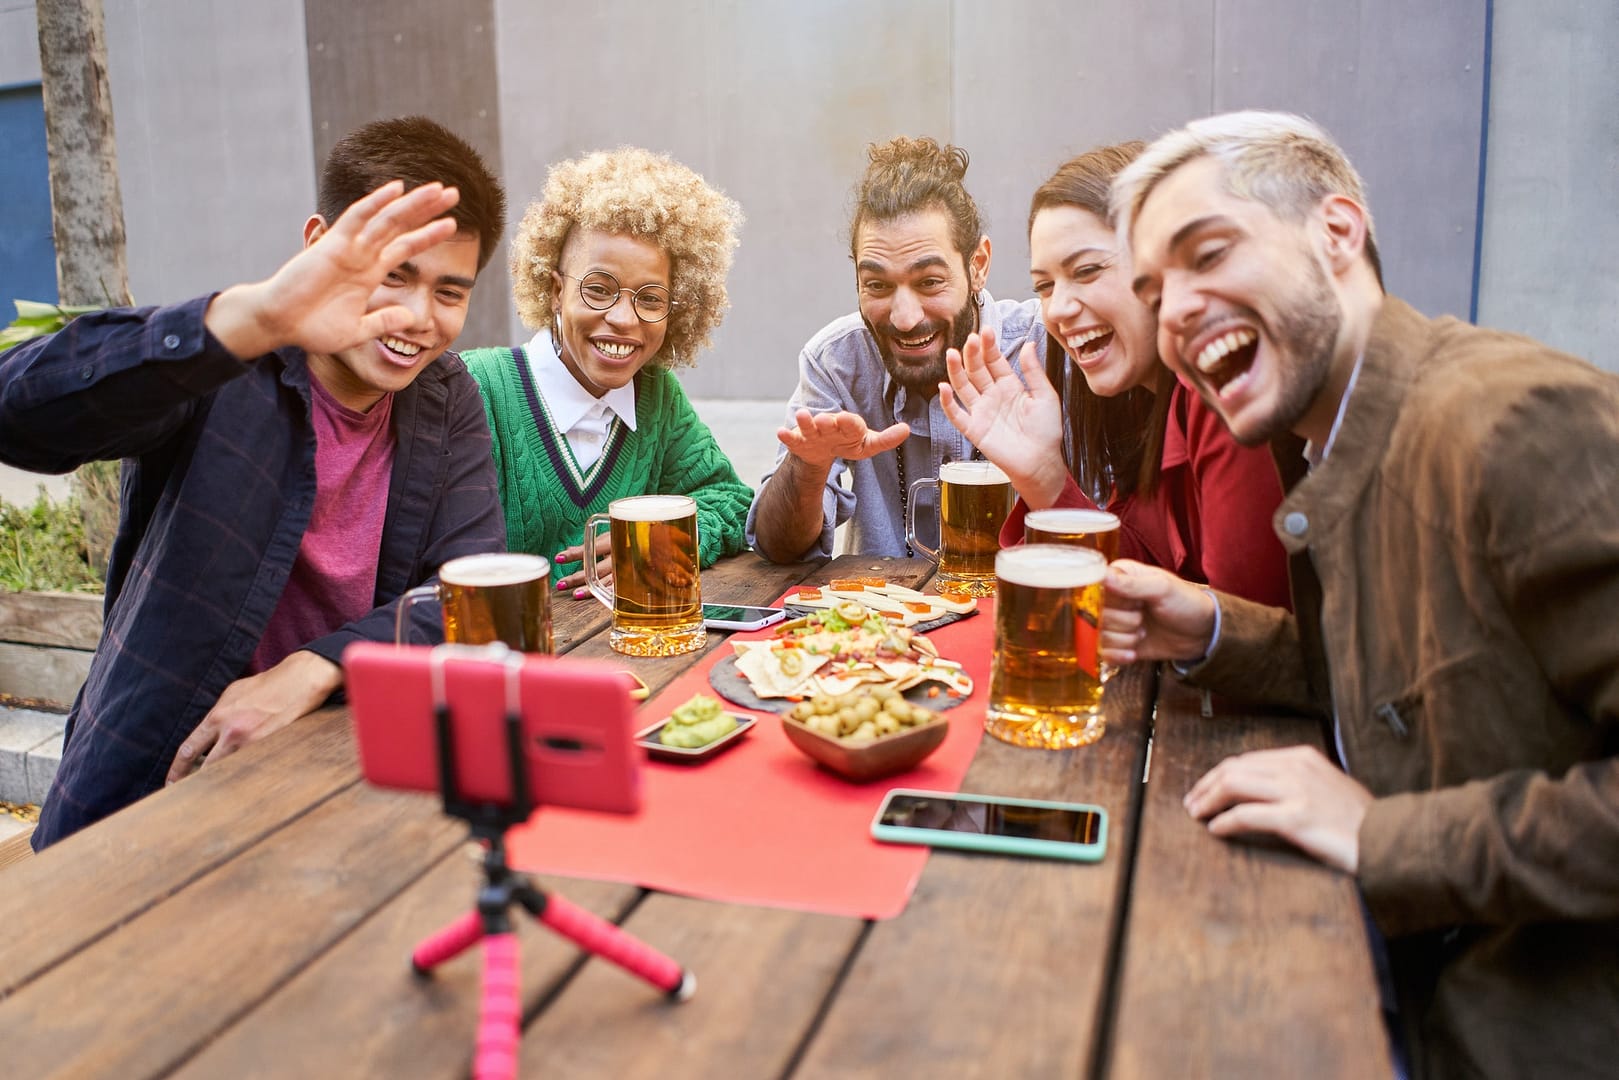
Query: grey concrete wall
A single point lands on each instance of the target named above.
(1551, 204)
(775, 102)
(19, 43)
(771, 102)
(376, 59)
(211, 108)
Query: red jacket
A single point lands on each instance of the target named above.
(1209, 521)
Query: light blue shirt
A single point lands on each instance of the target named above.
(841, 369)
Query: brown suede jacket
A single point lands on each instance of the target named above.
(1455, 569)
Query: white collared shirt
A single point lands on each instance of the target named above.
(585, 421)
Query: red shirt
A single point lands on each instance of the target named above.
(1209, 520)
(334, 579)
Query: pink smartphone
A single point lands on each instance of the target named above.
(577, 724)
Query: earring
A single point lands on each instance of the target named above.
(556, 334)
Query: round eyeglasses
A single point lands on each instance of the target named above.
(601, 290)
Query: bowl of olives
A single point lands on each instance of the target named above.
(871, 732)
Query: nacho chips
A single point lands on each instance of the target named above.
(828, 653)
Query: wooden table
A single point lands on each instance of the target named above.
(256, 920)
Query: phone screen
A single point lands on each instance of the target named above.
(738, 614)
(1055, 824)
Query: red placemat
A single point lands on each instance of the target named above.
(760, 823)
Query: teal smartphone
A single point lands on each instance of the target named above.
(1034, 827)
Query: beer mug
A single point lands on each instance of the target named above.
(1095, 529)
(499, 596)
(657, 599)
(974, 499)
(1045, 687)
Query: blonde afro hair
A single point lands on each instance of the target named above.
(630, 191)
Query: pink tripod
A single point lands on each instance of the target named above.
(500, 1014)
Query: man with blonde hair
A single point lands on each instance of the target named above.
(1455, 566)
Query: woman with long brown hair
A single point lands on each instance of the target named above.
(1123, 434)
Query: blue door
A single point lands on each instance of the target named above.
(27, 251)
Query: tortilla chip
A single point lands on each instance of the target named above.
(765, 676)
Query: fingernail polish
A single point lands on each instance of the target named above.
(561, 585)
(579, 594)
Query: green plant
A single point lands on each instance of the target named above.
(42, 547)
(95, 489)
(35, 319)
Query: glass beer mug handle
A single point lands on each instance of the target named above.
(592, 574)
(402, 615)
(910, 517)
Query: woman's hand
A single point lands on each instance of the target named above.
(604, 566)
(1016, 423)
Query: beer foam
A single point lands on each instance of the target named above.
(976, 473)
(484, 571)
(1050, 566)
(652, 508)
(1071, 520)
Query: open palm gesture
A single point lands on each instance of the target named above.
(1016, 422)
(320, 300)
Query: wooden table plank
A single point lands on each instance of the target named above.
(358, 1011)
(103, 876)
(762, 976)
(1240, 960)
(162, 842)
(999, 966)
(574, 621)
(143, 998)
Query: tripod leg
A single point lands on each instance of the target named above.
(449, 942)
(602, 938)
(496, 1054)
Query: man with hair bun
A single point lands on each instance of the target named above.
(867, 400)
(1455, 573)
(298, 452)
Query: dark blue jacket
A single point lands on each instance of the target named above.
(218, 485)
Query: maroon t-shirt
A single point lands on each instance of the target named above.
(334, 579)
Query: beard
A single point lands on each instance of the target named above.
(1307, 337)
(924, 376)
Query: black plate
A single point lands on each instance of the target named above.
(648, 737)
(734, 687)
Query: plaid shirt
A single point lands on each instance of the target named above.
(218, 484)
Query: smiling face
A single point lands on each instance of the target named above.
(1247, 310)
(916, 294)
(435, 286)
(1083, 282)
(604, 349)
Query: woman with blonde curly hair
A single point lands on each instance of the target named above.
(620, 266)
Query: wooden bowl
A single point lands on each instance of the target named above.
(882, 756)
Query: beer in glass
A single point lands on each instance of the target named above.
(975, 498)
(499, 596)
(656, 597)
(1096, 529)
(1045, 688)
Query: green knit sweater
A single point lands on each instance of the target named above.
(548, 497)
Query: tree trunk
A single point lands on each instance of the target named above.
(86, 206)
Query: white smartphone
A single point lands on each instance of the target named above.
(740, 616)
(1039, 827)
